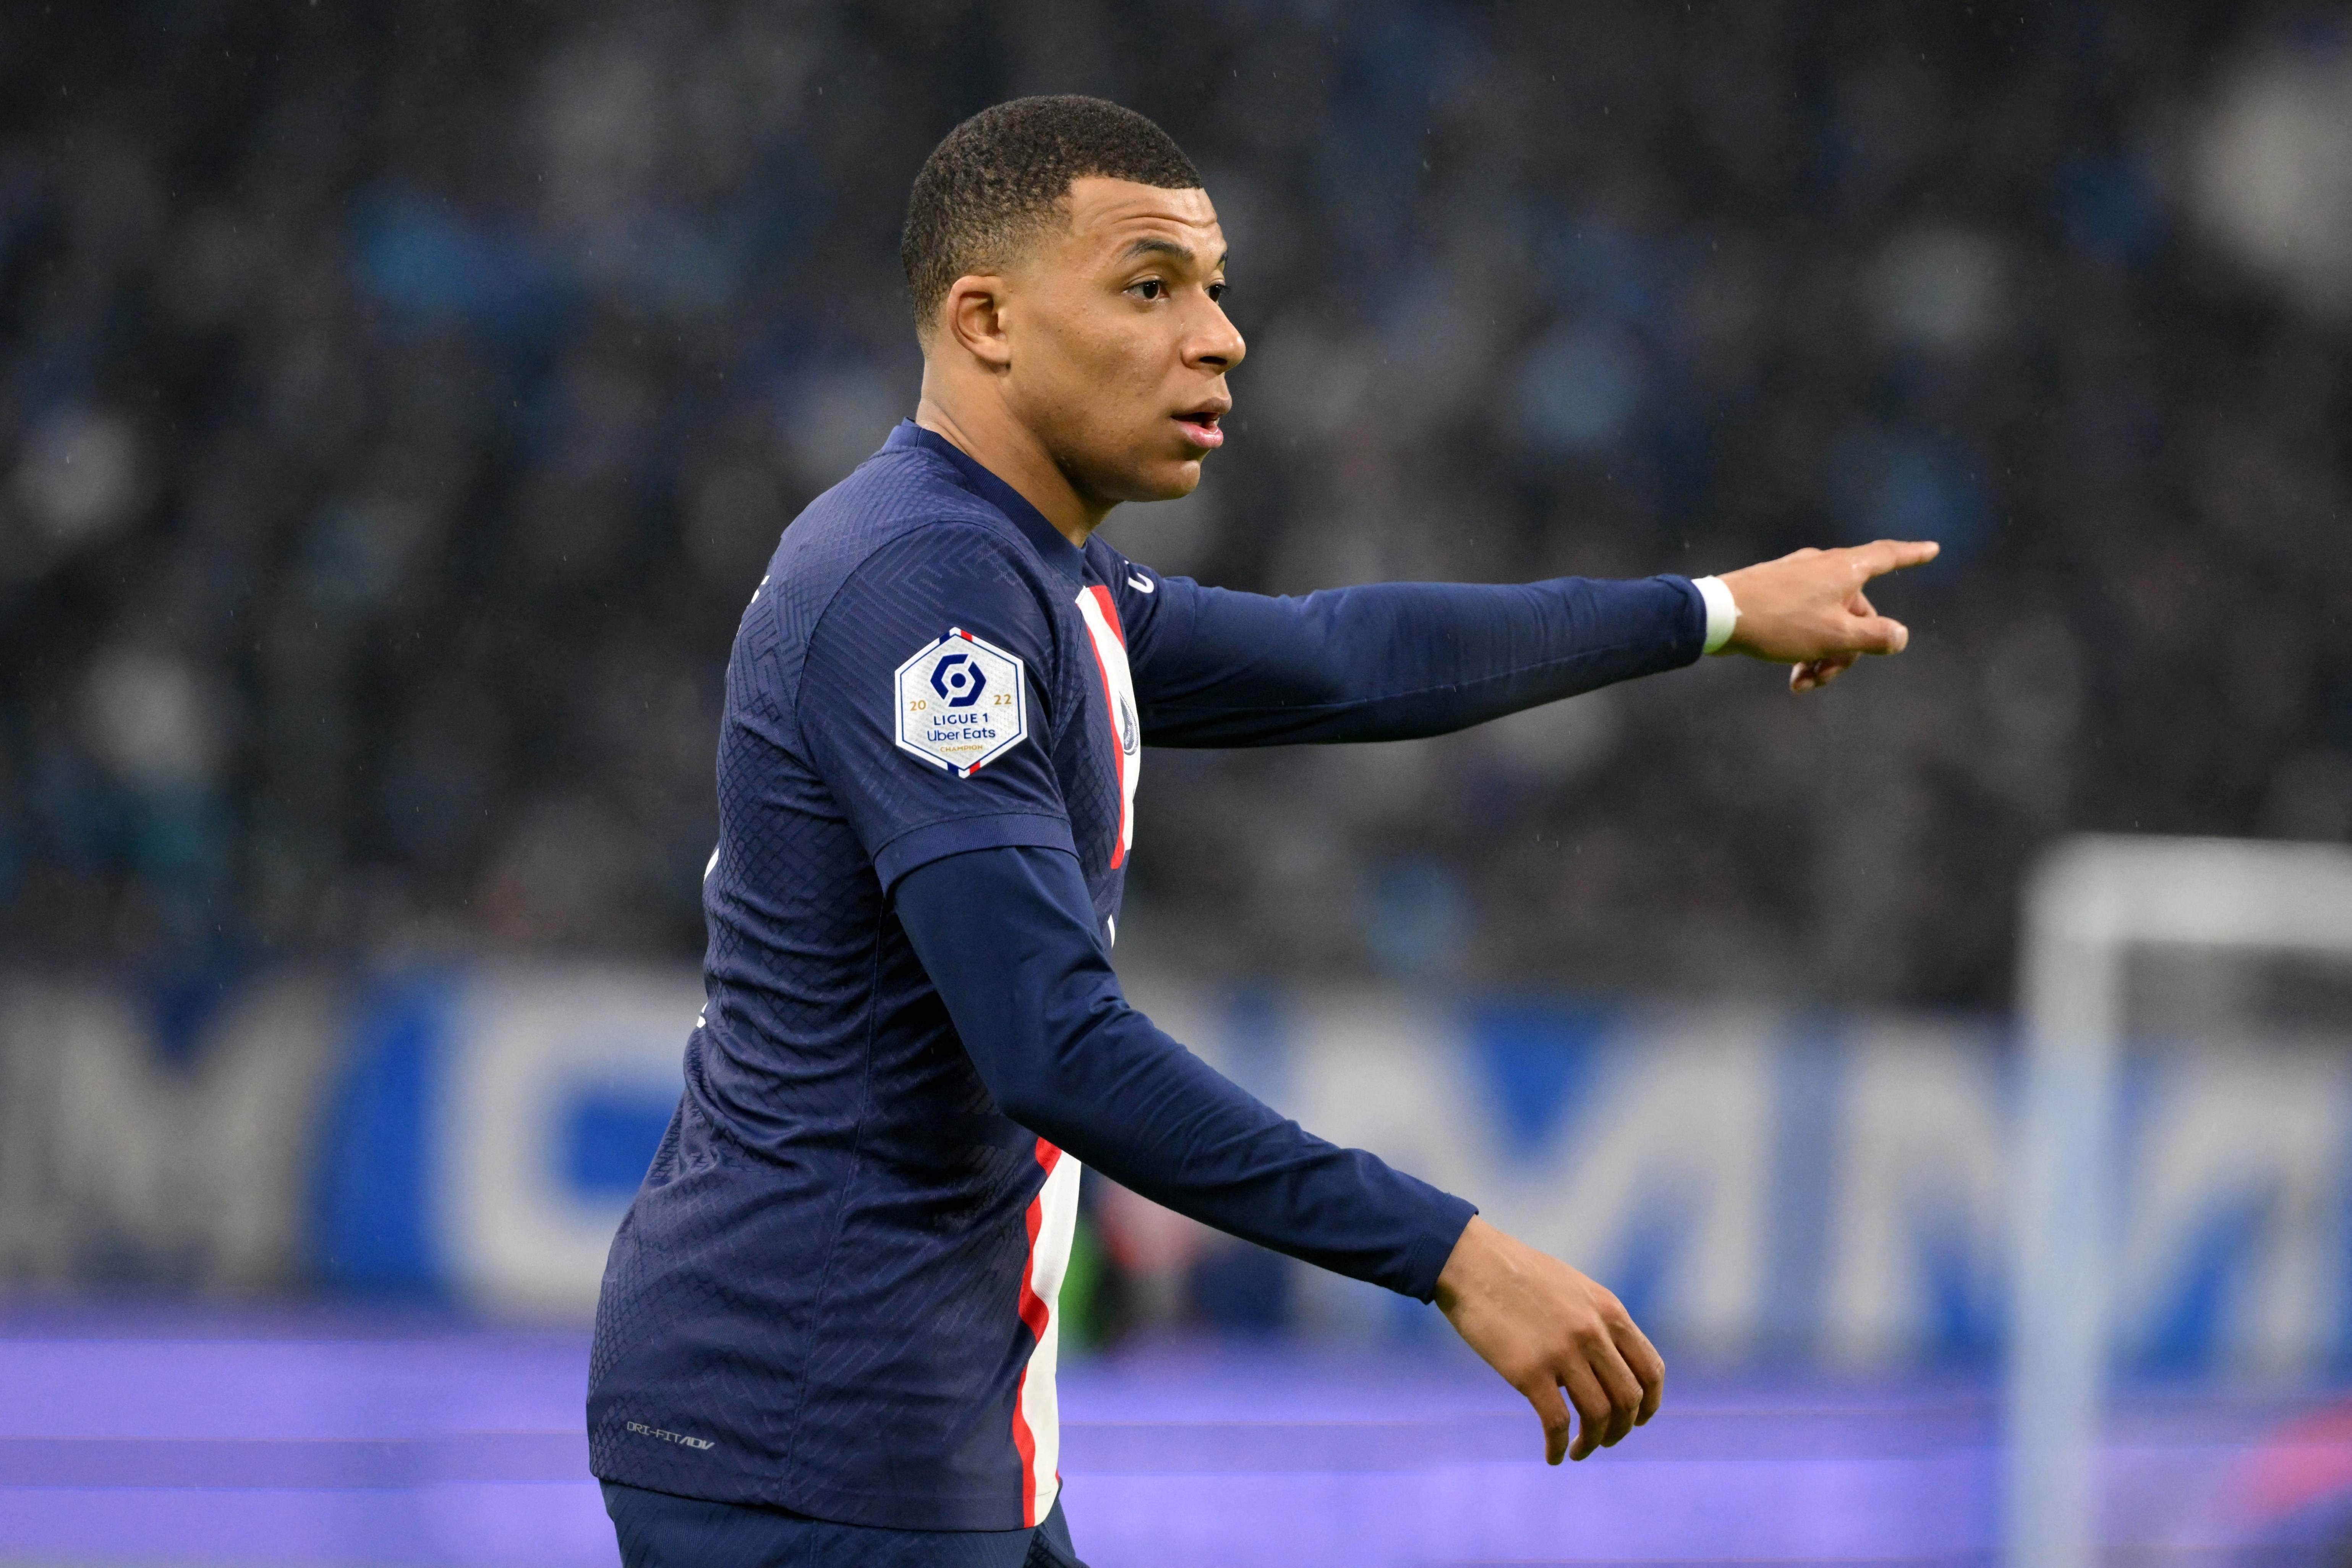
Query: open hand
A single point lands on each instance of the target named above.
(1808, 609)
(1546, 1328)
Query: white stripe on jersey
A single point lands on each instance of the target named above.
(1056, 1205)
(1100, 613)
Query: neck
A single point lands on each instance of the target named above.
(984, 430)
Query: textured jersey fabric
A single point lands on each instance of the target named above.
(836, 1290)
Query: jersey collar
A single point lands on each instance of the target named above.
(1057, 551)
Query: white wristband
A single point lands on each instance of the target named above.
(1722, 610)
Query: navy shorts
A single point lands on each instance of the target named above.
(658, 1531)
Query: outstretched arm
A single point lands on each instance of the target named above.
(1395, 660)
(1392, 661)
(1008, 937)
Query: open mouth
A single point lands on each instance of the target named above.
(1202, 425)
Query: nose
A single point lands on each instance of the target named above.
(1216, 345)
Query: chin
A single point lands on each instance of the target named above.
(1168, 481)
(1133, 476)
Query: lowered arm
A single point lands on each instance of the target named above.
(1008, 937)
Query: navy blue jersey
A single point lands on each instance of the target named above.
(836, 1290)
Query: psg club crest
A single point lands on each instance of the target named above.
(962, 703)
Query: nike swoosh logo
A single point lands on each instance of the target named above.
(1142, 584)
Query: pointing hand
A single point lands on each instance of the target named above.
(1808, 609)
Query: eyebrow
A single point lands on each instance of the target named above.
(1168, 248)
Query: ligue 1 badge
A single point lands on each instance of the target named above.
(962, 703)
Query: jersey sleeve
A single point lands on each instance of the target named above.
(1388, 661)
(1040, 1012)
(923, 700)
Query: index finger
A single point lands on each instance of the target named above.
(1882, 556)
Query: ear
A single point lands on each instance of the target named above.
(973, 317)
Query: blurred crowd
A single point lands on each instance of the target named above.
(398, 403)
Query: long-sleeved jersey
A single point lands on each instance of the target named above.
(836, 1290)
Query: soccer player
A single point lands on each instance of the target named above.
(827, 1331)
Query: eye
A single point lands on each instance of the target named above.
(1150, 289)
(1216, 292)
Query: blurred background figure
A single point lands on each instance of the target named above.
(399, 402)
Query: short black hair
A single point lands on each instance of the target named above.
(995, 178)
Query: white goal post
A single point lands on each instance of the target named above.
(2091, 901)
